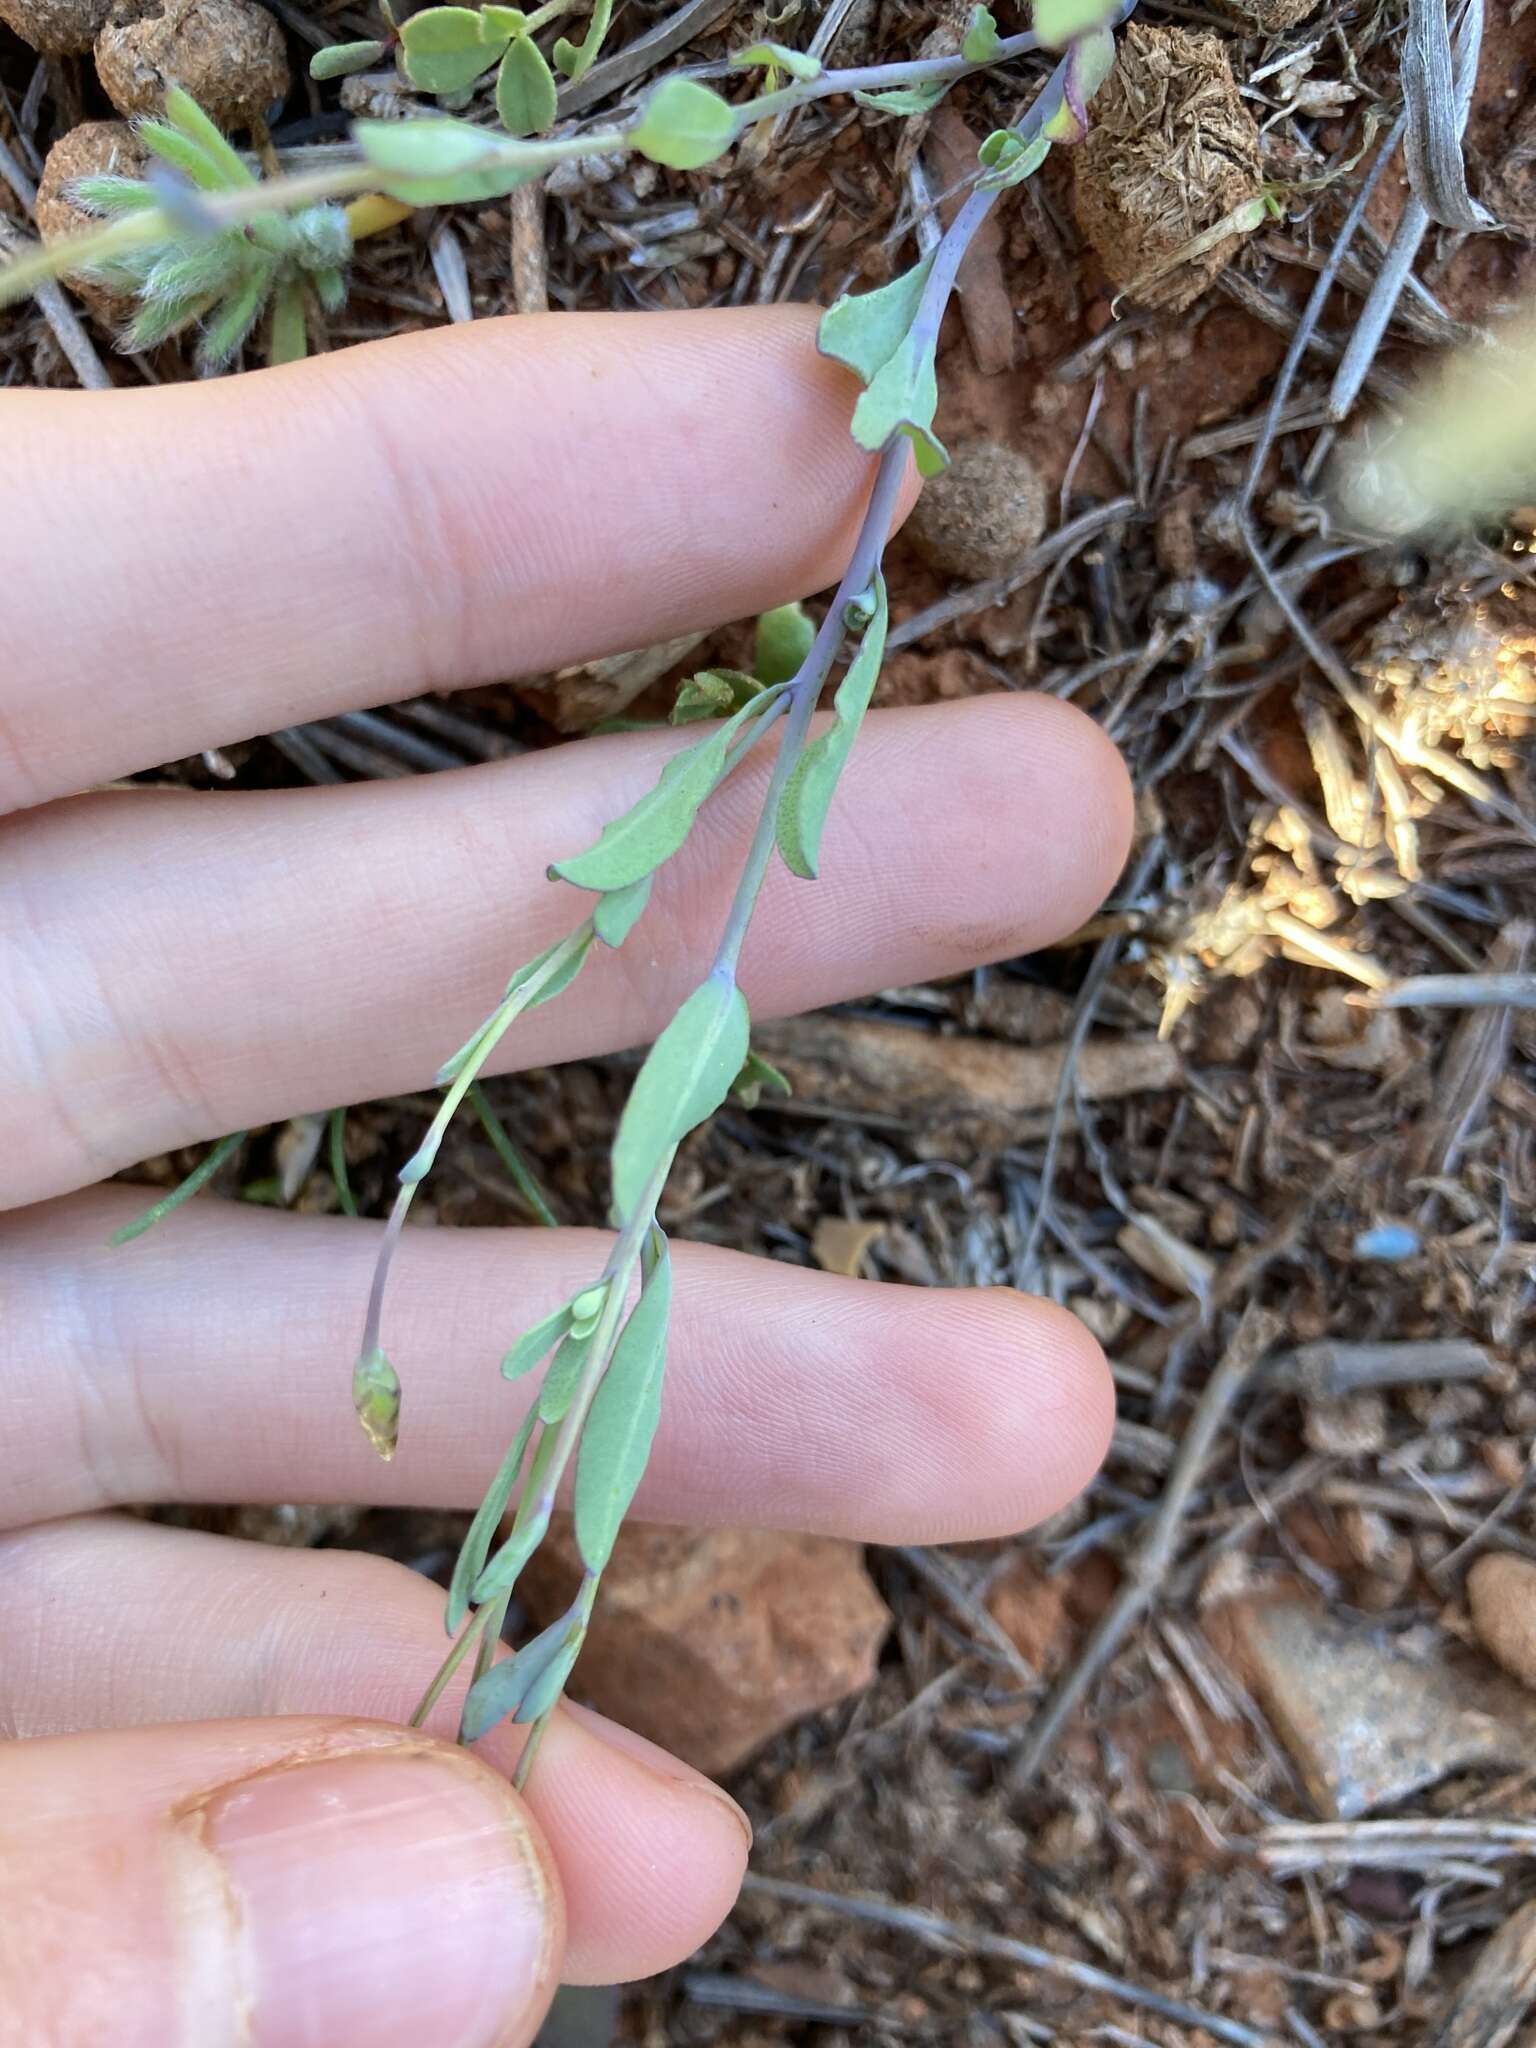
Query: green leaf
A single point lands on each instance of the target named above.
(777, 57)
(622, 1424)
(620, 910)
(112, 197)
(558, 982)
(654, 828)
(782, 641)
(439, 162)
(499, 25)
(575, 58)
(687, 1075)
(188, 119)
(1007, 159)
(232, 320)
(477, 1538)
(533, 1344)
(758, 1076)
(684, 125)
(340, 60)
(864, 333)
(525, 89)
(564, 1375)
(443, 50)
(527, 1533)
(906, 99)
(982, 44)
(902, 398)
(288, 341)
(376, 1397)
(508, 1687)
(808, 794)
(713, 693)
(184, 155)
(1057, 22)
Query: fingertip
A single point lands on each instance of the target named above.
(625, 1803)
(1067, 1402)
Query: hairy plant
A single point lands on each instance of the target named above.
(602, 1352)
(225, 279)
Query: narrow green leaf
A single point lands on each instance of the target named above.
(684, 125)
(906, 99)
(289, 341)
(547, 1684)
(617, 1439)
(506, 1686)
(902, 398)
(376, 1397)
(504, 1569)
(654, 828)
(188, 119)
(575, 58)
(864, 333)
(340, 60)
(535, 1343)
(808, 794)
(981, 43)
(778, 57)
(782, 641)
(478, 1537)
(525, 89)
(686, 1076)
(182, 154)
(232, 320)
(557, 982)
(713, 693)
(112, 197)
(564, 1375)
(620, 910)
(443, 50)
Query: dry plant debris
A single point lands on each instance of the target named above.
(1364, 1173)
(1173, 151)
(229, 54)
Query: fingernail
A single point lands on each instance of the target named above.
(654, 1758)
(396, 1899)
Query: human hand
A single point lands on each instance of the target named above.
(215, 1833)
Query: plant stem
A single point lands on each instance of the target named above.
(469, 1635)
(338, 1154)
(513, 1160)
(881, 77)
(194, 1183)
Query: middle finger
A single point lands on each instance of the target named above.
(175, 966)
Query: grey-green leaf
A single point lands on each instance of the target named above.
(564, 1375)
(340, 60)
(684, 125)
(686, 1076)
(808, 794)
(620, 910)
(982, 42)
(653, 830)
(778, 57)
(439, 162)
(902, 398)
(782, 641)
(506, 1688)
(617, 1439)
(535, 1343)
(525, 89)
(477, 1539)
(864, 333)
(444, 51)
(758, 1076)
(501, 1574)
(906, 99)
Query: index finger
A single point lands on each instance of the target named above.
(189, 565)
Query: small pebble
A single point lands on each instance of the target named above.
(1501, 1591)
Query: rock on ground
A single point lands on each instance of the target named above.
(711, 1641)
(1501, 1591)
